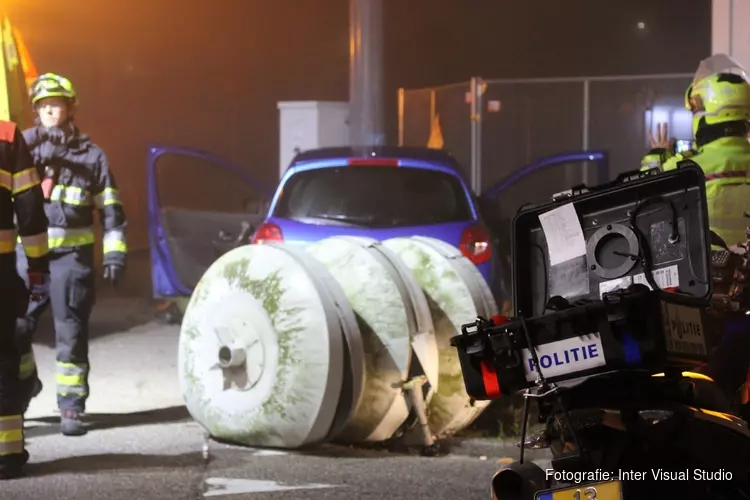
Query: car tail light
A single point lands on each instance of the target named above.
(268, 232)
(475, 245)
(373, 162)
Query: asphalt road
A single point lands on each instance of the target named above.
(342, 473)
(142, 444)
(135, 456)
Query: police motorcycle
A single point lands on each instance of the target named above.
(611, 289)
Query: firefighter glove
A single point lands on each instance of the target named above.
(55, 135)
(113, 273)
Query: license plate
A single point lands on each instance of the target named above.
(608, 490)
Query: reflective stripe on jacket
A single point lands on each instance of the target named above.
(726, 164)
(22, 213)
(82, 184)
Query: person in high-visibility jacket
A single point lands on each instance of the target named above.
(77, 183)
(21, 215)
(719, 98)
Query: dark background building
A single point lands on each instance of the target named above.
(209, 74)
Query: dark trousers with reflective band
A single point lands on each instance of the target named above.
(72, 299)
(11, 390)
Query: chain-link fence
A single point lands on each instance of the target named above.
(451, 106)
(494, 127)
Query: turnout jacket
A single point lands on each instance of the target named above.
(78, 182)
(22, 215)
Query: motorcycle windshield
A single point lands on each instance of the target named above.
(719, 63)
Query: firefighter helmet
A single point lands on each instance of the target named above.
(52, 85)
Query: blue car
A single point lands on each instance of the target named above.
(391, 192)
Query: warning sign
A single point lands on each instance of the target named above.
(683, 329)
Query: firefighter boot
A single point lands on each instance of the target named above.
(11, 466)
(13, 454)
(71, 423)
(35, 390)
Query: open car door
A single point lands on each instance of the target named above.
(200, 206)
(534, 184)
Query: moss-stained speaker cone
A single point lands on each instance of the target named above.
(261, 351)
(453, 288)
(352, 388)
(376, 294)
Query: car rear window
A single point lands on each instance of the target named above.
(373, 196)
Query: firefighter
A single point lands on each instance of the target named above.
(719, 98)
(77, 182)
(20, 199)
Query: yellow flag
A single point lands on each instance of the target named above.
(14, 101)
(436, 134)
(29, 68)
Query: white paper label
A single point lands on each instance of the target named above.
(665, 277)
(564, 234)
(565, 356)
(683, 329)
(612, 285)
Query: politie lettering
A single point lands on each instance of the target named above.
(566, 357)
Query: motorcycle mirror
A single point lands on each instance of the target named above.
(518, 481)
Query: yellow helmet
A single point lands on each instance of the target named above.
(719, 93)
(52, 85)
(716, 100)
(687, 98)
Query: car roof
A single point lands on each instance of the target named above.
(436, 156)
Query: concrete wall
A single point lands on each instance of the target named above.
(730, 21)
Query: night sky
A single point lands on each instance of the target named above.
(208, 75)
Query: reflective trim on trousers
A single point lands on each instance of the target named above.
(71, 379)
(7, 240)
(28, 366)
(6, 180)
(11, 435)
(60, 237)
(36, 245)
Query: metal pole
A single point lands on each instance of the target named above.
(401, 98)
(586, 117)
(478, 135)
(366, 72)
(475, 118)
